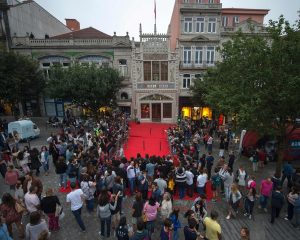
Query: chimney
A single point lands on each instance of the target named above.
(73, 24)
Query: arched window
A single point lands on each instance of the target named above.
(124, 96)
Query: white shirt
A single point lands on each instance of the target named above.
(201, 180)
(162, 185)
(189, 177)
(74, 198)
(130, 172)
(31, 201)
(210, 140)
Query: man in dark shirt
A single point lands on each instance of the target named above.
(209, 163)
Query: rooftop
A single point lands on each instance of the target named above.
(86, 33)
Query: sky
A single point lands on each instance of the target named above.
(123, 16)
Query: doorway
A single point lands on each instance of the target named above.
(156, 112)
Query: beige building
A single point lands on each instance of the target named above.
(158, 70)
(85, 46)
(154, 79)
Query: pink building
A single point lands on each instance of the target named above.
(231, 17)
(197, 28)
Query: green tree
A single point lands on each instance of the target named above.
(87, 86)
(258, 81)
(20, 78)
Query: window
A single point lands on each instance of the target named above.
(186, 81)
(200, 25)
(236, 20)
(224, 21)
(212, 25)
(185, 1)
(198, 55)
(164, 71)
(145, 110)
(147, 71)
(199, 1)
(210, 1)
(167, 110)
(124, 95)
(210, 55)
(66, 64)
(123, 67)
(155, 71)
(187, 55)
(46, 64)
(188, 25)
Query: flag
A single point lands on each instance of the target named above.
(155, 9)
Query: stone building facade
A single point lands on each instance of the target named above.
(154, 79)
(85, 46)
(158, 70)
(197, 28)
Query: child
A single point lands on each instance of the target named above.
(176, 223)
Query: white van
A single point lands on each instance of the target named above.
(25, 128)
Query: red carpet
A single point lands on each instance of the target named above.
(68, 189)
(148, 138)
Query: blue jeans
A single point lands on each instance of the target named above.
(209, 147)
(46, 166)
(106, 221)
(263, 201)
(150, 227)
(131, 185)
(77, 215)
(175, 235)
(201, 190)
(90, 205)
(63, 180)
(181, 191)
(227, 192)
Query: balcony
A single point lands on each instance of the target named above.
(155, 85)
(195, 65)
(195, 7)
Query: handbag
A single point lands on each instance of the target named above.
(144, 217)
(58, 210)
(19, 207)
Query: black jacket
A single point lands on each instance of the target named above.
(277, 199)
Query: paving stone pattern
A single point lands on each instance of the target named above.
(260, 226)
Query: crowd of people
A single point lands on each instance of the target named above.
(91, 167)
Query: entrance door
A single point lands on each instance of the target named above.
(156, 112)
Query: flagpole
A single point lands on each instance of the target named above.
(155, 17)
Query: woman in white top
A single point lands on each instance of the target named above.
(234, 201)
(166, 206)
(241, 177)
